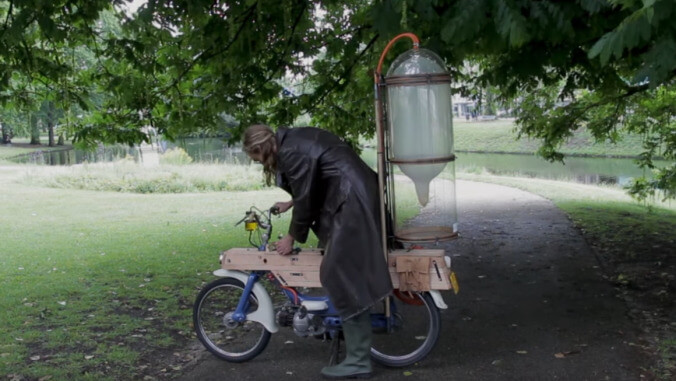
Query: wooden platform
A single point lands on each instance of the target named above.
(302, 269)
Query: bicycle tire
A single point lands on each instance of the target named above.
(223, 337)
(415, 332)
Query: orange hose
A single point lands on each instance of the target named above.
(292, 290)
(416, 45)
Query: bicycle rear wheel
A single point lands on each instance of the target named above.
(410, 333)
(221, 335)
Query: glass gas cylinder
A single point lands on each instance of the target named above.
(420, 141)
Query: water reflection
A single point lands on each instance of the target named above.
(69, 156)
(210, 151)
(586, 170)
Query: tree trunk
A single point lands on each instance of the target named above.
(6, 134)
(35, 129)
(50, 123)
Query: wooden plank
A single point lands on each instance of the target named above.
(439, 281)
(295, 278)
(252, 259)
(302, 269)
(436, 253)
(439, 274)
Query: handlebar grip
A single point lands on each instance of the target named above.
(274, 210)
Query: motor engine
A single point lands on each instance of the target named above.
(303, 322)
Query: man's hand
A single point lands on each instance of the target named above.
(285, 245)
(283, 206)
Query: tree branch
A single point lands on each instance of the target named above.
(345, 74)
(9, 14)
(293, 29)
(203, 56)
(280, 57)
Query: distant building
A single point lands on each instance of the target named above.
(462, 107)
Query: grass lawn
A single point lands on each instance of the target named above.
(94, 282)
(500, 136)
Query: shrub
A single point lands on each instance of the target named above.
(175, 156)
(124, 176)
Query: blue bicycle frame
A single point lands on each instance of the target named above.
(332, 320)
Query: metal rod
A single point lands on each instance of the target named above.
(432, 160)
(418, 79)
(380, 120)
(381, 177)
(381, 165)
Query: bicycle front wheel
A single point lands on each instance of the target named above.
(410, 333)
(221, 335)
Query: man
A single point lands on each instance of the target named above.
(335, 194)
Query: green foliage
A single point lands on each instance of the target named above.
(633, 31)
(600, 77)
(175, 156)
(183, 67)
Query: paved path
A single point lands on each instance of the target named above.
(532, 306)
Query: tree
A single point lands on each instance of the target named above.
(182, 66)
(37, 38)
(610, 61)
(6, 133)
(603, 58)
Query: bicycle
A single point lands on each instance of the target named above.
(234, 316)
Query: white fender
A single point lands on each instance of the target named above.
(265, 314)
(438, 300)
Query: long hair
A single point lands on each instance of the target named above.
(260, 139)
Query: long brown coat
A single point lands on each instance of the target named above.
(336, 195)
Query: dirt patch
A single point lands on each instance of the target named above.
(644, 276)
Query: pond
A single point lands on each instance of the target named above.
(201, 150)
(69, 156)
(586, 170)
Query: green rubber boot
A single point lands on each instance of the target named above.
(357, 363)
